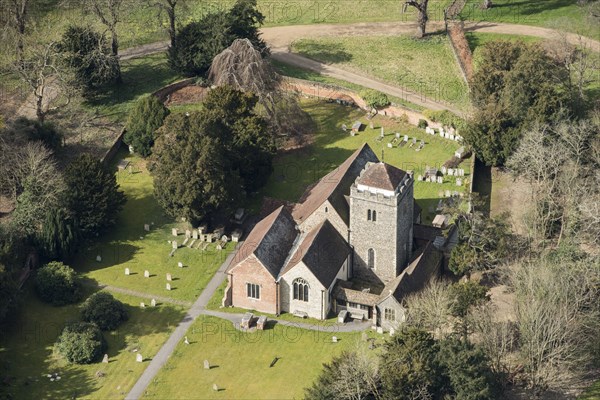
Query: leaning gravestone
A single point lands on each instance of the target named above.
(168, 286)
(169, 277)
(146, 274)
(153, 303)
(174, 244)
(139, 357)
(174, 231)
(206, 364)
(127, 272)
(180, 264)
(142, 305)
(105, 359)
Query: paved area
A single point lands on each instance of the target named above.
(178, 334)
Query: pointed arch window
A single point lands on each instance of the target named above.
(368, 215)
(374, 215)
(301, 288)
(371, 258)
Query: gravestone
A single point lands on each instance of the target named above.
(397, 135)
(147, 227)
(105, 359)
(381, 134)
(174, 231)
(142, 305)
(392, 331)
(180, 264)
(334, 339)
(98, 258)
(153, 303)
(390, 145)
(459, 182)
(451, 137)
(450, 171)
(447, 193)
(414, 140)
(168, 286)
(440, 179)
(444, 171)
(379, 330)
(215, 387)
(127, 272)
(364, 336)
(371, 125)
(146, 274)
(344, 127)
(406, 138)
(195, 234)
(188, 234)
(206, 364)
(419, 178)
(169, 277)
(174, 244)
(139, 357)
(186, 341)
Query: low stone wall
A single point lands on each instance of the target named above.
(461, 49)
(164, 92)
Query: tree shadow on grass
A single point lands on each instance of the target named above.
(330, 52)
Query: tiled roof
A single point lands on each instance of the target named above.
(323, 250)
(343, 291)
(334, 186)
(270, 241)
(416, 275)
(382, 176)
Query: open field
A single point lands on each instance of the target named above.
(297, 169)
(426, 66)
(128, 246)
(240, 362)
(26, 349)
(565, 15)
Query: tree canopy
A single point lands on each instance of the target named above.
(57, 284)
(207, 160)
(104, 310)
(146, 116)
(81, 343)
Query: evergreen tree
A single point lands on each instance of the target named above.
(144, 119)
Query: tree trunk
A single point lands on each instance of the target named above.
(39, 108)
(487, 4)
(115, 52)
(422, 21)
(172, 33)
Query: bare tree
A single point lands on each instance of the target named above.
(169, 7)
(422, 18)
(429, 308)
(43, 75)
(556, 307)
(243, 67)
(17, 11)
(358, 376)
(109, 14)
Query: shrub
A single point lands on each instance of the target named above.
(144, 119)
(104, 310)
(444, 117)
(57, 284)
(375, 99)
(81, 343)
(422, 124)
(35, 131)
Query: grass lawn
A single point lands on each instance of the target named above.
(592, 393)
(26, 350)
(241, 362)
(127, 245)
(557, 14)
(295, 170)
(141, 76)
(426, 66)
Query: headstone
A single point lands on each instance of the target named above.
(381, 134)
(390, 145)
(146, 274)
(461, 172)
(447, 193)
(195, 234)
(451, 137)
(147, 227)
(344, 127)
(459, 182)
(180, 264)
(127, 272)
(139, 357)
(414, 140)
(98, 258)
(188, 234)
(153, 302)
(371, 125)
(131, 149)
(444, 171)
(392, 331)
(419, 178)
(186, 341)
(379, 330)
(169, 277)
(440, 179)
(406, 138)
(397, 135)
(206, 364)
(168, 286)
(174, 231)
(334, 339)
(364, 337)
(215, 387)
(450, 171)
(142, 305)
(105, 359)
(441, 132)
(174, 244)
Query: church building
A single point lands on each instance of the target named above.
(353, 242)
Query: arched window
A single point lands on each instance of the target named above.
(371, 258)
(368, 215)
(374, 215)
(300, 289)
(326, 209)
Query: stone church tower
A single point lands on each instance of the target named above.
(381, 222)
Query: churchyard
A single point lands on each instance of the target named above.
(26, 349)
(424, 66)
(240, 362)
(295, 170)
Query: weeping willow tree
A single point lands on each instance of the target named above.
(243, 67)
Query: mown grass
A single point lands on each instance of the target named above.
(26, 349)
(565, 15)
(426, 66)
(295, 170)
(241, 362)
(127, 245)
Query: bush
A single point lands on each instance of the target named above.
(375, 99)
(104, 310)
(81, 343)
(57, 284)
(35, 131)
(422, 124)
(444, 117)
(144, 119)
